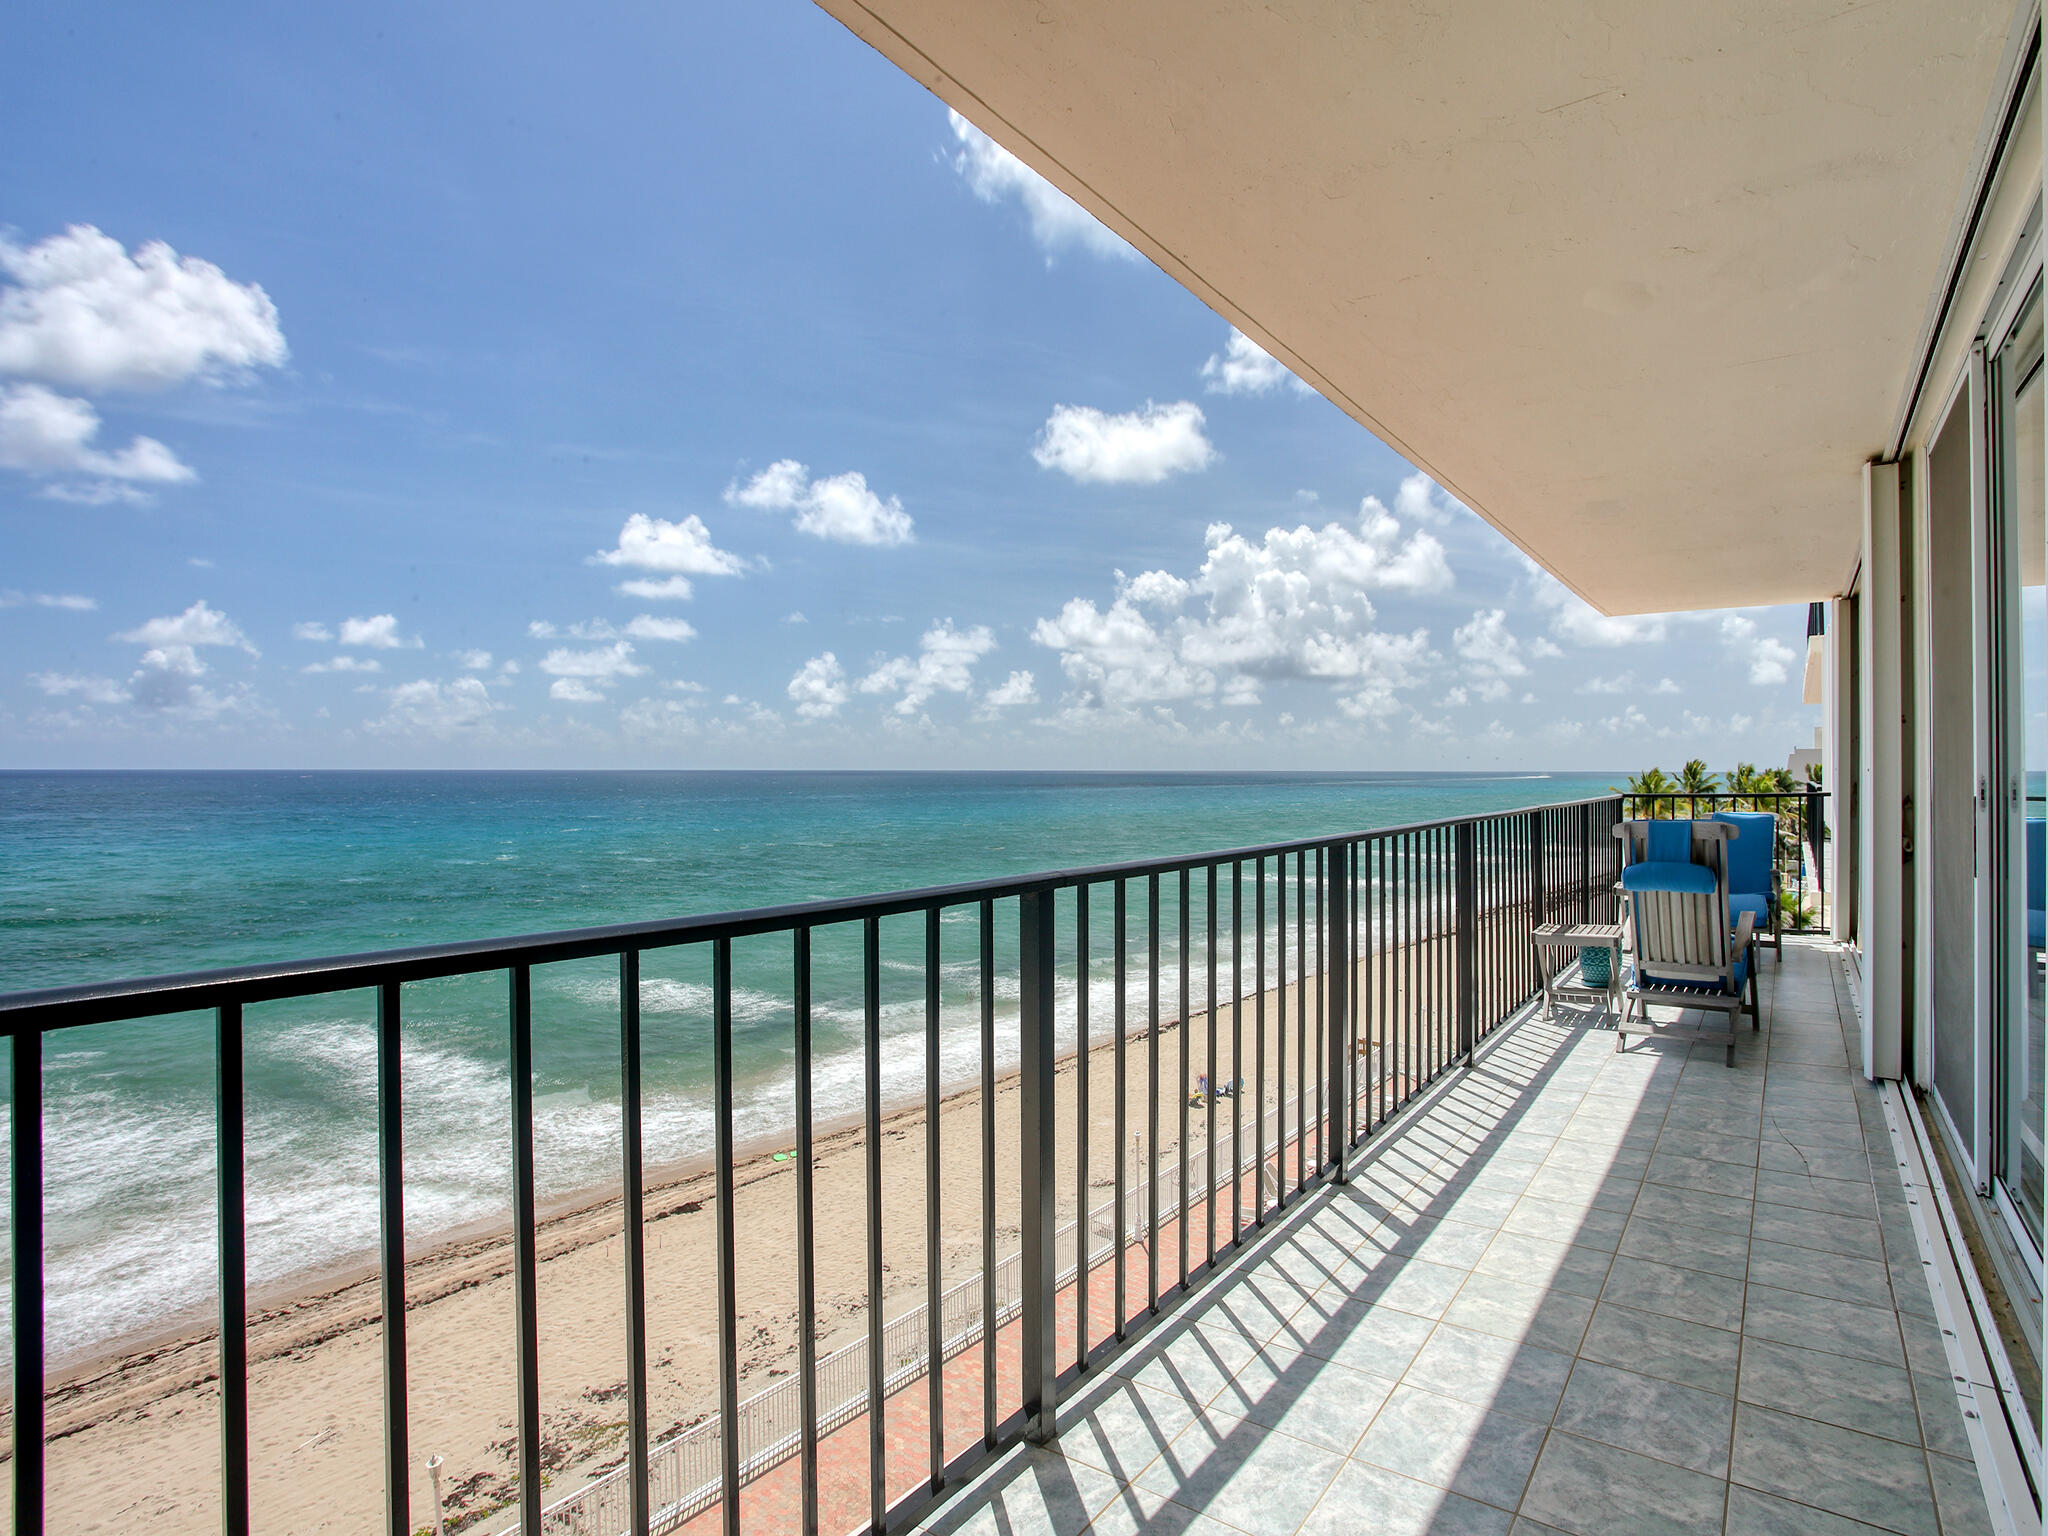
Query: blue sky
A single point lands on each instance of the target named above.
(458, 386)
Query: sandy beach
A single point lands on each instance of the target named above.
(134, 1439)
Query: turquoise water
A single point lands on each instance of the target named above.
(131, 874)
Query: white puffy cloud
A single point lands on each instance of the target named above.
(311, 629)
(944, 663)
(93, 690)
(1058, 223)
(642, 627)
(646, 626)
(199, 625)
(680, 550)
(1138, 447)
(81, 312)
(346, 664)
(1418, 499)
(379, 632)
(1667, 686)
(472, 660)
(819, 688)
(166, 676)
(1770, 659)
(66, 600)
(1293, 604)
(839, 508)
(1244, 367)
(1018, 688)
(666, 589)
(437, 708)
(45, 433)
(1487, 647)
(582, 676)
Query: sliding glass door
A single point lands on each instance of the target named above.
(2018, 571)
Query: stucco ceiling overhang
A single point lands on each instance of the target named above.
(1643, 284)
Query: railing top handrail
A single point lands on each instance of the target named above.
(47, 1008)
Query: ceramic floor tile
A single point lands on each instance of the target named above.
(1467, 1449)
(1242, 1473)
(1839, 1470)
(1368, 1498)
(1819, 1322)
(1855, 1394)
(1590, 1489)
(1649, 1416)
(1491, 1372)
(1674, 1349)
(1695, 1295)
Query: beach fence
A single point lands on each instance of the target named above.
(1386, 955)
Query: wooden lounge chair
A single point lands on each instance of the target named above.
(1681, 951)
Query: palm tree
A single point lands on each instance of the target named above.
(1642, 792)
(1744, 784)
(1694, 781)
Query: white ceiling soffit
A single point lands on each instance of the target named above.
(1641, 283)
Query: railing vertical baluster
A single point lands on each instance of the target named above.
(1152, 1093)
(1468, 938)
(525, 1260)
(234, 1271)
(1036, 1154)
(987, 916)
(1180, 1094)
(1259, 1041)
(806, 1236)
(934, 1288)
(1411, 900)
(1209, 1098)
(1585, 863)
(1339, 980)
(634, 1233)
(1081, 1126)
(1303, 1067)
(728, 1269)
(1119, 1051)
(1280, 1031)
(1237, 1051)
(1324, 1088)
(25, 1212)
(1385, 1034)
(871, 1106)
(391, 1267)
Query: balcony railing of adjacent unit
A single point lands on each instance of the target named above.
(1387, 955)
(1801, 853)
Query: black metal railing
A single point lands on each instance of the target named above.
(1799, 857)
(1387, 956)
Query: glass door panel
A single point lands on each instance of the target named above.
(2020, 453)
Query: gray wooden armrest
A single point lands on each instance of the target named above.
(1744, 937)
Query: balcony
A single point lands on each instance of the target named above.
(1571, 1289)
(1439, 1264)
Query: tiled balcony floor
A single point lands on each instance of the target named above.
(1579, 1291)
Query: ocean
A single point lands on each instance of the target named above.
(110, 875)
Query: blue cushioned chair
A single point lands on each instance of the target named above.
(1683, 952)
(1753, 874)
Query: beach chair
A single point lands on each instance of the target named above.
(1753, 875)
(1681, 949)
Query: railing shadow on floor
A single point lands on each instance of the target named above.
(1331, 1284)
